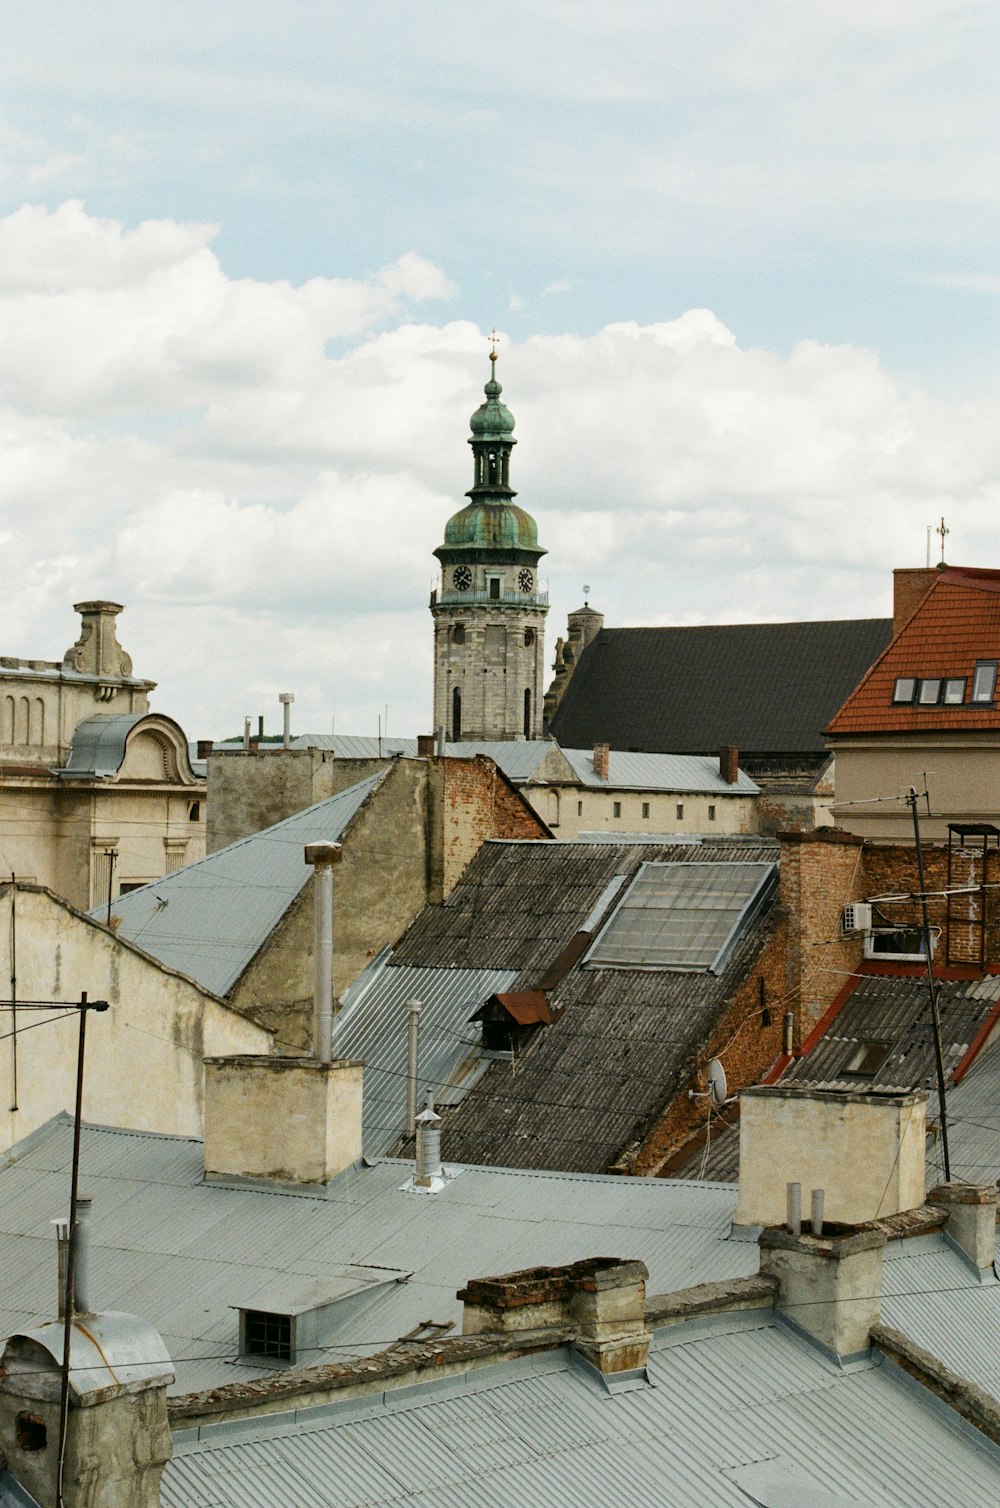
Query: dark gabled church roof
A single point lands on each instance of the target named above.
(768, 688)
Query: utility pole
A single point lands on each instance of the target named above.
(912, 800)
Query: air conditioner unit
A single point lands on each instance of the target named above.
(856, 917)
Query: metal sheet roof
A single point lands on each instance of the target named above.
(209, 919)
(180, 1252)
(351, 746)
(931, 1294)
(373, 1026)
(735, 1401)
(98, 745)
(627, 770)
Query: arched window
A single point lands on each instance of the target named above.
(529, 637)
(527, 712)
(458, 634)
(456, 715)
(23, 716)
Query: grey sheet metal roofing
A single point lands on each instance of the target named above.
(352, 746)
(373, 1027)
(98, 745)
(209, 919)
(735, 1413)
(587, 1086)
(180, 1252)
(768, 688)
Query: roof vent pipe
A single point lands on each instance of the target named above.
(81, 1259)
(816, 1212)
(286, 698)
(793, 1200)
(323, 856)
(246, 735)
(62, 1258)
(439, 742)
(412, 1039)
(429, 1166)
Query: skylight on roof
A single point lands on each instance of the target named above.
(682, 917)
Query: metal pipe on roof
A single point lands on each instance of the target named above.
(323, 856)
(81, 1264)
(816, 1212)
(412, 1039)
(429, 1165)
(286, 698)
(793, 1201)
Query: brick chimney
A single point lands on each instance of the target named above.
(425, 745)
(729, 763)
(602, 758)
(602, 1300)
(830, 1285)
(910, 586)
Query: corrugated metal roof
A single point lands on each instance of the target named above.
(731, 1408)
(209, 919)
(373, 1027)
(180, 1252)
(931, 1295)
(351, 746)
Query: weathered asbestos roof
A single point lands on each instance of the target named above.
(897, 1011)
(768, 688)
(736, 1412)
(373, 1027)
(585, 1087)
(209, 919)
(180, 1252)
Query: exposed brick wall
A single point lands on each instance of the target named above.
(820, 873)
(746, 1045)
(891, 868)
(477, 802)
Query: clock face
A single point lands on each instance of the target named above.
(461, 578)
(524, 580)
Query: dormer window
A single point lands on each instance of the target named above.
(984, 681)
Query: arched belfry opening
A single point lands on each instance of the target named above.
(456, 715)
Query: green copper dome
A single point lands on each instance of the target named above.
(491, 526)
(492, 419)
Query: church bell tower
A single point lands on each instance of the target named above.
(489, 612)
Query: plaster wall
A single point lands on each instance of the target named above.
(291, 1120)
(962, 777)
(248, 791)
(865, 1151)
(571, 809)
(144, 1055)
(56, 833)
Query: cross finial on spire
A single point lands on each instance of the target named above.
(494, 340)
(942, 529)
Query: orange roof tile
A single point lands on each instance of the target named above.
(953, 626)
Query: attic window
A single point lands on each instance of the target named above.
(682, 917)
(866, 1061)
(267, 1335)
(954, 692)
(905, 944)
(930, 692)
(905, 688)
(984, 681)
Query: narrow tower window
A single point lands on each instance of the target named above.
(456, 715)
(458, 634)
(527, 712)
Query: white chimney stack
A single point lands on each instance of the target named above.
(286, 698)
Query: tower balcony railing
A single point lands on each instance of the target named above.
(454, 598)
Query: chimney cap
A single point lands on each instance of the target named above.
(286, 696)
(323, 853)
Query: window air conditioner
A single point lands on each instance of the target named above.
(856, 917)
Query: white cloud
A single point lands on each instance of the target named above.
(188, 444)
(559, 286)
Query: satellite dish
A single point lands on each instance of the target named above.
(717, 1085)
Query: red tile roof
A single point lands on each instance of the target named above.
(954, 625)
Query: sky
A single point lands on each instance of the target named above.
(743, 262)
